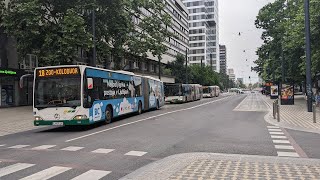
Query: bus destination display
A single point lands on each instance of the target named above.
(58, 72)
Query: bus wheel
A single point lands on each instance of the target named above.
(140, 108)
(108, 119)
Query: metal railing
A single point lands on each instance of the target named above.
(314, 111)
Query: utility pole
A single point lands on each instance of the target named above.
(211, 62)
(94, 54)
(186, 66)
(308, 56)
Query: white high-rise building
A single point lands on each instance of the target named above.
(204, 32)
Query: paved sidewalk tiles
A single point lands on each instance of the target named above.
(222, 166)
(294, 117)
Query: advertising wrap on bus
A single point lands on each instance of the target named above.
(81, 95)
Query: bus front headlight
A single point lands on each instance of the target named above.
(80, 117)
(37, 118)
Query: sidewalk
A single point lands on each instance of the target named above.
(221, 166)
(294, 116)
(16, 119)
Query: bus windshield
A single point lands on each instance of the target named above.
(206, 90)
(53, 92)
(173, 90)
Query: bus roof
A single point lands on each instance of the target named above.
(149, 77)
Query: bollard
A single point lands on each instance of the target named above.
(278, 111)
(274, 109)
(314, 113)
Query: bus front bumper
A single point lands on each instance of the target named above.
(62, 122)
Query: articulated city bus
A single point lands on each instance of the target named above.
(180, 93)
(208, 92)
(211, 91)
(83, 95)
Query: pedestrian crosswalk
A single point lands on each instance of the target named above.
(14, 168)
(281, 143)
(92, 175)
(70, 149)
(43, 147)
(17, 169)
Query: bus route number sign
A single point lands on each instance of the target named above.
(58, 72)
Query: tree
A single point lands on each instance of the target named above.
(283, 36)
(241, 85)
(55, 29)
(203, 75)
(178, 68)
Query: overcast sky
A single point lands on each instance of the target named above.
(238, 16)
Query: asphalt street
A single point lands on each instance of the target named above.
(225, 124)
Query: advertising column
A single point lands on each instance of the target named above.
(274, 91)
(287, 94)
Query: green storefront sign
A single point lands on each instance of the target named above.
(8, 72)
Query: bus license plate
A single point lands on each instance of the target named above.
(57, 123)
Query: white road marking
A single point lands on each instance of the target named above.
(151, 117)
(279, 137)
(275, 130)
(283, 147)
(18, 146)
(277, 133)
(273, 127)
(135, 153)
(14, 168)
(92, 175)
(47, 173)
(103, 151)
(281, 141)
(2, 145)
(72, 148)
(288, 154)
(43, 147)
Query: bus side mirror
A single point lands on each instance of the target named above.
(89, 83)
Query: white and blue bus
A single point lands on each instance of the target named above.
(83, 95)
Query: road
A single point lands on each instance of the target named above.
(227, 124)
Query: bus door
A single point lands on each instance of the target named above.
(146, 93)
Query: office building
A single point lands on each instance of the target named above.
(231, 74)
(204, 32)
(223, 59)
(176, 45)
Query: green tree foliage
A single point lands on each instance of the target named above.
(196, 75)
(283, 25)
(241, 85)
(55, 29)
(224, 81)
(178, 68)
(203, 75)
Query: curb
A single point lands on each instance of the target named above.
(165, 168)
(269, 118)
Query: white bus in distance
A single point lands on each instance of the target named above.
(211, 91)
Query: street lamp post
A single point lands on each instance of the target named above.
(186, 66)
(308, 56)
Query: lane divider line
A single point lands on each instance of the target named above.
(145, 119)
